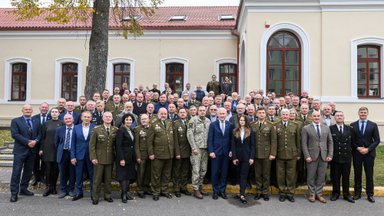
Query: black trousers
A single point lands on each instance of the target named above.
(39, 168)
(340, 170)
(366, 161)
(51, 174)
(22, 169)
(243, 168)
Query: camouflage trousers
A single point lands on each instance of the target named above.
(199, 164)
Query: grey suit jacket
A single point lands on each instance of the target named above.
(313, 146)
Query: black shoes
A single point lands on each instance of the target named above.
(95, 202)
(156, 198)
(334, 197)
(290, 198)
(215, 196)
(123, 197)
(13, 198)
(108, 199)
(77, 197)
(348, 198)
(265, 197)
(243, 200)
(177, 194)
(47, 192)
(357, 197)
(257, 196)
(129, 197)
(168, 195)
(371, 199)
(282, 198)
(223, 195)
(186, 192)
(26, 193)
(141, 195)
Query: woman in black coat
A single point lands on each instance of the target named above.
(125, 156)
(48, 151)
(243, 152)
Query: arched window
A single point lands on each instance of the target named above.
(175, 76)
(19, 82)
(69, 82)
(121, 74)
(284, 64)
(368, 71)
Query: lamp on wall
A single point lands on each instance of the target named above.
(267, 24)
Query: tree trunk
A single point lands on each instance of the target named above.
(98, 49)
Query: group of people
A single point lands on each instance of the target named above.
(155, 138)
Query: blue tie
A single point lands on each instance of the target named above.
(67, 139)
(362, 127)
(318, 131)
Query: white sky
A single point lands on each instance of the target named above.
(7, 3)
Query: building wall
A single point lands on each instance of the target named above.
(201, 51)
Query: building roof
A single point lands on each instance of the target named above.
(196, 18)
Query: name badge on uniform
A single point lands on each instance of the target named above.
(101, 137)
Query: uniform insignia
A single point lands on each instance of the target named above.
(157, 128)
(190, 125)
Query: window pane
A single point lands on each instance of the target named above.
(291, 86)
(290, 41)
(274, 43)
(275, 58)
(275, 73)
(361, 91)
(275, 86)
(373, 52)
(292, 73)
(292, 57)
(373, 67)
(361, 52)
(374, 78)
(373, 90)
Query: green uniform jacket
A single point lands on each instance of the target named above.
(288, 141)
(160, 139)
(213, 86)
(141, 142)
(114, 109)
(307, 121)
(182, 146)
(265, 139)
(102, 146)
(198, 132)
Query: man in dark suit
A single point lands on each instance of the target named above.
(342, 155)
(69, 109)
(25, 132)
(364, 145)
(64, 143)
(38, 169)
(317, 147)
(219, 142)
(139, 107)
(80, 152)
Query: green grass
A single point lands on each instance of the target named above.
(5, 136)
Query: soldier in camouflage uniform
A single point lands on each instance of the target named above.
(265, 141)
(197, 134)
(161, 151)
(143, 162)
(288, 152)
(102, 155)
(181, 163)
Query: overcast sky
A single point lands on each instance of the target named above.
(6, 3)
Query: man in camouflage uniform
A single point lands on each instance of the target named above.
(197, 134)
(288, 152)
(102, 154)
(181, 163)
(265, 141)
(161, 151)
(214, 86)
(143, 162)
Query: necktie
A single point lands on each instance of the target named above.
(44, 118)
(108, 131)
(29, 127)
(70, 112)
(222, 127)
(305, 118)
(272, 119)
(318, 131)
(140, 105)
(164, 124)
(67, 139)
(260, 125)
(285, 124)
(362, 127)
(341, 129)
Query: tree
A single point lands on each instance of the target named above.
(98, 12)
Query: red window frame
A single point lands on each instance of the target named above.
(284, 65)
(367, 74)
(19, 82)
(69, 82)
(174, 76)
(121, 74)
